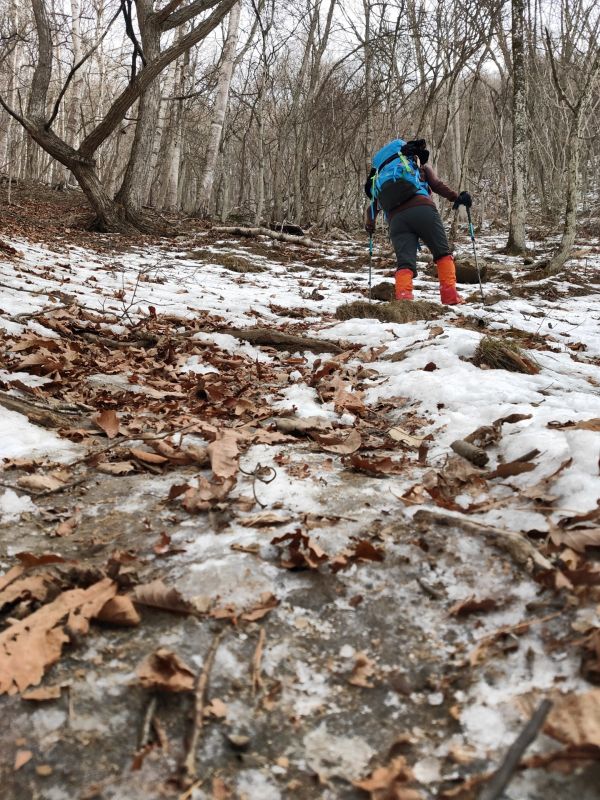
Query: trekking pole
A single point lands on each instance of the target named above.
(472, 235)
(370, 262)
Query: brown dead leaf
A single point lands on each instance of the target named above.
(344, 399)
(120, 611)
(115, 467)
(164, 670)
(157, 595)
(337, 442)
(575, 719)
(39, 483)
(31, 587)
(516, 467)
(363, 550)
(10, 576)
(206, 495)
(42, 693)
(147, 457)
(68, 526)
(578, 539)
(224, 454)
(266, 604)
(216, 709)
(375, 465)
(31, 645)
(302, 551)
(34, 560)
(21, 758)
(402, 436)
(471, 605)
(265, 519)
(362, 671)
(581, 425)
(391, 782)
(107, 421)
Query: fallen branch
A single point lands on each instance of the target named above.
(476, 455)
(503, 775)
(189, 773)
(523, 552)
(305, 241)
(282, 341)
(43, 415)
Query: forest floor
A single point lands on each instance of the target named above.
(231, 516)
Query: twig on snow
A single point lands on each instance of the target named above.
(256, 661)
(520, 548)
(189, 774)
(503, 775)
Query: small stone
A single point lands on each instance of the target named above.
(238, 741)
(44, 770)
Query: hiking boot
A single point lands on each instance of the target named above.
(446, 270)
(404, 284)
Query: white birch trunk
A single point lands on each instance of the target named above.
(221, 101)
(516, 244)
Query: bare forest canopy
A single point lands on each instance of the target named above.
(260, 111)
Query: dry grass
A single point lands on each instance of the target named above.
(503, 354)
(237, 264)
(399, 311)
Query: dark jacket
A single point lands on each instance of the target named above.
(435, 185)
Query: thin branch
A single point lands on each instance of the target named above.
(74, 69)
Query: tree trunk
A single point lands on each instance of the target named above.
(516, 244)
(221, 101)
(135, 188)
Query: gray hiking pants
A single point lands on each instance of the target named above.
(410, 225)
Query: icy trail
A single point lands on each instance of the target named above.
(388, 623)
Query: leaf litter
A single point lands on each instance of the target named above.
(204, 427)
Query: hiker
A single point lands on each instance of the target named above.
(400, 185)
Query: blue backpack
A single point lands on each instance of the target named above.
(395, 178)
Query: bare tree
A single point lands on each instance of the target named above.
(120, 213)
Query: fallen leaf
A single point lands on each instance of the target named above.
(363, 550)
(264, 519)
(31, 645)
(471, 605)
(107, 421)
(337, 443)
(376, 465)
(33, 560)
(21, 758)
(68, 526)
(216, 708)
(400, 435)
(511, 468)
(39, 483)
(577, 540)
(147, 457)
(581, 425)
(302, 551)
(362, 671)
(119, 610)
(267, 603)
(164, 670)
(206, 495)
(42, 693)
(575, 719)
(224, 454)
(157, 595)
(31, 587)
(115, 467)
(391, 782)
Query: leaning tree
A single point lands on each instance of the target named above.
(123, 212)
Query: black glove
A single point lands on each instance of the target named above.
(463, 199)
